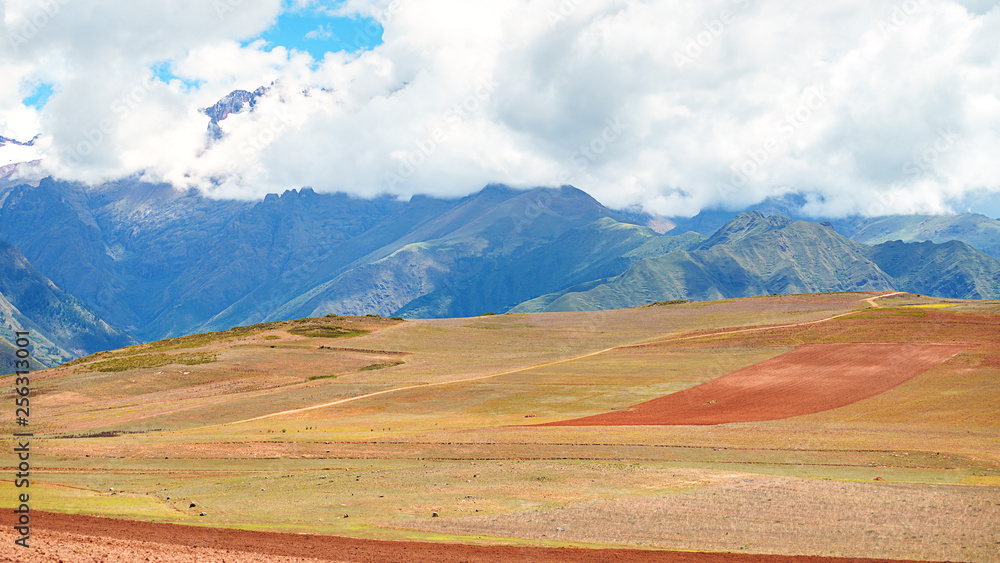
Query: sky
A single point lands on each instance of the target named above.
(864, 107)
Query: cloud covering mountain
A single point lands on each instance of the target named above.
(871, 108)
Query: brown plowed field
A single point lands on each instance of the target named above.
(812, 378)
(85, 538)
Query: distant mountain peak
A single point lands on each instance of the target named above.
(497, 188)
(746, 224)
(231, 103)
(8, 141)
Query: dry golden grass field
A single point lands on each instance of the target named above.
(369, 427)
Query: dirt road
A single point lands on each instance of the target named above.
(871, 301)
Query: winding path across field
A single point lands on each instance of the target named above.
(870, 300)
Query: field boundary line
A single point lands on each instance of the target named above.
(870, 300)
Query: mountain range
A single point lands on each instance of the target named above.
(978, 231)
(132, 261)
(754, 254)
(61, 326)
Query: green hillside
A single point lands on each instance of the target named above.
(436, 267)
(977, 231)
(757, 255)
(601, 249)
(952, 269)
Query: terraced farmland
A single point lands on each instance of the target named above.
(293, 430)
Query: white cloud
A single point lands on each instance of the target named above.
(873, 107)
(321, 33)
(11, 154)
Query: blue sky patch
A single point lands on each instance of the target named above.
(163, 71)
(318, 34)
(39, 97)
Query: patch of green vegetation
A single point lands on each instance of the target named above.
(146, 361)
(272, 337)
(488, 315)
(884, 313)
(665, 303)
(197, 340)
(382, 365)
(326, 331)
(73, 500)
(315, 377)
(396, 319)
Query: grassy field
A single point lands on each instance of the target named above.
(432, 417)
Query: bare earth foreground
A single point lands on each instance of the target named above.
(851, 425)
(83, 539)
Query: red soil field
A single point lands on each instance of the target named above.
(215, 544)
(812, 378)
